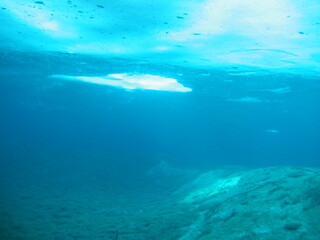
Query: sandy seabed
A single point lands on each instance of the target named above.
(170, 204)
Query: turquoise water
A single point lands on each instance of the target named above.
(76, 153)
(226, 119)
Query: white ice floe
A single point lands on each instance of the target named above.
(271, 131)
(132, 81)
(247, 99)
(279, 90)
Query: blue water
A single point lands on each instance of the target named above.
(80, 160)
(200, 128)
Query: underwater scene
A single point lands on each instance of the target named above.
(159, 120)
